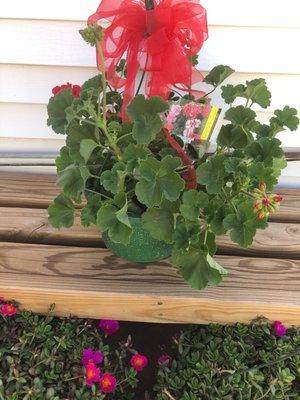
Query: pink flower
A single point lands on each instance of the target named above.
(8, 310)
(174, 112)
(109, 326)
(192, 110)
(279, 329)
(89, 356)
(205, 110)
(107, 383)
(92, 374)
(189, 132)
(139, 362)
(75, 89)
(164, 359)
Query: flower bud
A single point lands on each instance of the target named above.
(277, 198)
(261, 215)
(257, 205)
(266, 202)
(262, 186)
(92, 34)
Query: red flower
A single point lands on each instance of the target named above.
(75, 89)
(92, 374)
(107, 383)
(279, 329)
(8, 310)
(266, 202)
(139, 362)
(109, 326)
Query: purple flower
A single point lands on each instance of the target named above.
(164, 359)
(109, 326)
(279, 329)
(89, 356)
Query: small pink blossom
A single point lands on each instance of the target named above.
(89, 356)
(8, 310)
(189, 132)
(173, 114)
(92, 374)
(139, 362)
(205, 110)
(107, 383)
(109, 326)
(164, 359)
(279, 329)
(192, 110)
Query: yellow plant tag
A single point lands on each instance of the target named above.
(210, 123)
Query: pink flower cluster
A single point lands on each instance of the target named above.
(75, 89)
(279, 329)
(7, 309)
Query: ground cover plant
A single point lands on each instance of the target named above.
(51, 358)
(233, 362)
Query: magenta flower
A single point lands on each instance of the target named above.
(107, 383)
(139, 362)
(92, 374)
(8, 310)
(279, 329)
(164, 359)
(89, 356)
(109, 326)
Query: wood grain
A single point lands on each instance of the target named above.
(31, 226)
(91, 282)
(38, 190)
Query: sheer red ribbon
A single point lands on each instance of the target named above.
(157, 41)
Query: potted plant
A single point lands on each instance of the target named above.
(141, 163)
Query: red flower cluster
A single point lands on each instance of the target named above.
(75, 89)
(265, 204)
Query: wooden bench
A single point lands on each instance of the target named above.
(71, 268)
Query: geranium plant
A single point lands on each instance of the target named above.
(150, 160)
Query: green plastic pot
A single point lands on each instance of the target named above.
(142, 247)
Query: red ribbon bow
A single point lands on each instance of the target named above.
(158, 41)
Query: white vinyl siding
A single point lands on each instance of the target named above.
(40, 47)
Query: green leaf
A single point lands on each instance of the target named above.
(57, 110)
(192, 202)
(61, 212)
(87, 146)
(187, 233)
(232, 136)
(240, 115)
(286, 117)
(146, 116)
(113, 180)
(212, 174)
(242, 224)
(260, 173)
(231, 92)
(258, 92)
(218, 75)
(72, 180)
(77, 133)
(64, 159)
(265, 149)
(134, 154)
(114, 220)
(158, 181)
(216, 224)
(93, 86)
(90, 210)
(160, 221)
(197, 268)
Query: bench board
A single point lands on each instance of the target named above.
(71, 268)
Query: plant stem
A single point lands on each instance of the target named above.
(104, 84)
(101, 194)
(142, 78)
(248, 194)
(168, 394)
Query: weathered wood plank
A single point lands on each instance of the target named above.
(91, 282)
(31, 226)
(34, 190)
